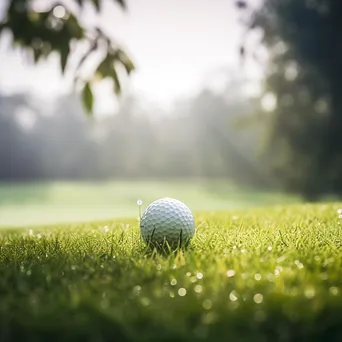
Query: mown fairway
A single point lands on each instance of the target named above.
(270, 274)
(59, 202)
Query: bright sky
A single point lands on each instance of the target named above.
(175, 45)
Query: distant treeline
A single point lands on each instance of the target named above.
(198, 138)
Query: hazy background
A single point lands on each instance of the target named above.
(179, 47)
(190, 122)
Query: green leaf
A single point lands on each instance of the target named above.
(74, 27)
(27, 25)
(64, 51)
(88, 98)
(115, 78)
(36, 55)
(105, 68)
(126, 62)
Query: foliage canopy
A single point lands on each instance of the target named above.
(54, 27)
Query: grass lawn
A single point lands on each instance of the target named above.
(63, 202)
(262, 274)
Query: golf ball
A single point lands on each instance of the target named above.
(167, 219)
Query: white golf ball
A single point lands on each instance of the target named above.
(169, 220)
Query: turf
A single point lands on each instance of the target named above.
(265, 274)
(60, 202)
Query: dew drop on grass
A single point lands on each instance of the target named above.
(199, 275)
(334, 290)
(171, 294)
(188, 274)
(233, 296)
(182, 292)
(207, 304)
(193, 279)
(257, 276)
(269, 248)
(137, 290)
(230, 273)
(198, 288)
(173, 282)
(258, 298)
(309, 292)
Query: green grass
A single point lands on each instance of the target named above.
(63, 202)
(264, 274)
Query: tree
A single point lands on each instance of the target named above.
(55, 27)
(305, 76)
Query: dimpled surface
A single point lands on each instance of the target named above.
(167, 219)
